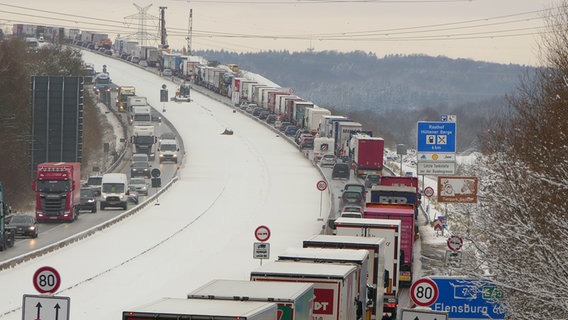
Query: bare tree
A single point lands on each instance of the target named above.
(520, 227)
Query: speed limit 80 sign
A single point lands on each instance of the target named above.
(46, 280)
(424, 292)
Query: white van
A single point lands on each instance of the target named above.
(114, 191)
(168, 150)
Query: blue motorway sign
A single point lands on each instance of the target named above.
(436, 136)
(469, 299)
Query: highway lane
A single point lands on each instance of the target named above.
(52, 232)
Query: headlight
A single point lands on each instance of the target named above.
(32, 228)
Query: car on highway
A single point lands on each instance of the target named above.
(328, 160)
(356, 187)
(140, 169)
(290, 130)
(341, 171)
(167, 72)
(139, 157)
(372, 180)
(95, 182)
(25, 225)
(353, 198)
(88, 200)
(283, 125)
(140, 185)
(349, 211)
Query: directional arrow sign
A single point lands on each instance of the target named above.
(417, 314)
(45, 307)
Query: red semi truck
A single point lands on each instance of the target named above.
(404, 213)
(57, 186)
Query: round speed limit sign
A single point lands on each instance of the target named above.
(46, 280)
(424, 292)
(321, 185)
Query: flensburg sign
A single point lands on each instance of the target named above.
(424, 292)
(46, 280)
(262, 233)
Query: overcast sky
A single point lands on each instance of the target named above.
(504, 31)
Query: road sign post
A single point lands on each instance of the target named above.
(46, 280)
(321, 185)
(45, 307)
(468, 298)
(424, 292)
(418, 314)
(156, 182)
(262, 248)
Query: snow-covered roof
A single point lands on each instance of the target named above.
(251, 290)
(325, 254)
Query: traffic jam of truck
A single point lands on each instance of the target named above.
(354, 270)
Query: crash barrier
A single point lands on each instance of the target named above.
(11, 263)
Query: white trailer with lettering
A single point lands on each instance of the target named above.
(335, 285)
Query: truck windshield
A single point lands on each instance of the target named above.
(113, 187)
(144, 140)
(142, 117)
(53, 186)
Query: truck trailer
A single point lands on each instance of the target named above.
(177, 308)
(367, 154)
(408, 233)
(377, 274)
(390, 231)
(335, 285)
(294, 300)
(357, 258)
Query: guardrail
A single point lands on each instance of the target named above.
(11, 263)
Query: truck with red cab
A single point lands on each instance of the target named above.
(57, 186)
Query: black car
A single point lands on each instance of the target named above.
(140, 169)
(88, 200)
(351, 198)
(356, 187)
(263, 114)
(341, 170)
(24, 225)
(372, 180)
(271, 118)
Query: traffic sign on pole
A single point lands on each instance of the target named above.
(45, 307)
(321, 185)
(455, 243)
(424, 292)
(417, 314)
(262, 233)
(428, 191)
(46, 280)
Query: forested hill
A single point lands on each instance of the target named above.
(413, 87)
